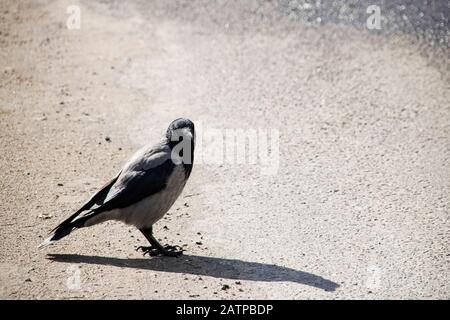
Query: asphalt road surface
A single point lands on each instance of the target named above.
(354, 202)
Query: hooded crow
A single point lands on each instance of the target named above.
(143, 191)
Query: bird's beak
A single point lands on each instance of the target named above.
(189, 134)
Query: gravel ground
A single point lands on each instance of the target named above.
(358, 203)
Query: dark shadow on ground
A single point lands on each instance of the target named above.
(207, 266)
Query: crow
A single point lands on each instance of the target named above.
(143, 191)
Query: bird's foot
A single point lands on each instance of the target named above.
(172, 251)
(151, 251)
(169, 251)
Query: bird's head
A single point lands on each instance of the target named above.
(181, 139)
(181, 127)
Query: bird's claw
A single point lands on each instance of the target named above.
(151, 251)
(170, 251)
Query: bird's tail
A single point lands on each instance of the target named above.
(64, 229)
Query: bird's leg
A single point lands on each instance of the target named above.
(156, 248)
(151, 250)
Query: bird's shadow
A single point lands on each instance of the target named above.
(208, 266)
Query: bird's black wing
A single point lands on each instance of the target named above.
(96, 199)
(135, 185)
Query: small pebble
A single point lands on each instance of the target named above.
(45, 216)
(225, 287)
